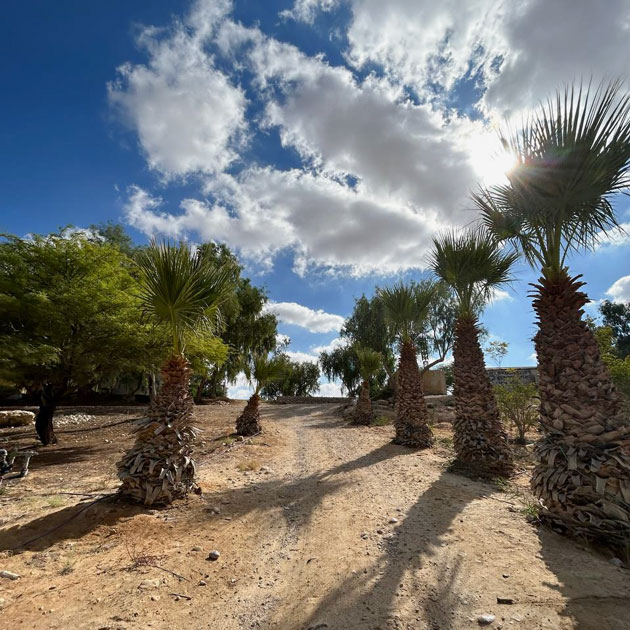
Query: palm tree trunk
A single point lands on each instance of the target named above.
(363, 413)
(481, 442)
(411, 424)
(582, 474)
(159, 467)
(248, 423)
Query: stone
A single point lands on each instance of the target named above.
(485, 620)
(505, 600)
(150, 583)
(196, 548)
(393, 520)
(203, 583)
(155, 598)
(9, 575)
(616, 561)
(214, 555)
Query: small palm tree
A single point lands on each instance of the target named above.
(370, 362)
(260, 371)
(406, 309)
(473, 265)
(183, 292)
(572, 158)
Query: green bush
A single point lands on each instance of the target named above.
(517, 404)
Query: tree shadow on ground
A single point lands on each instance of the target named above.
(597, 593)
(298, 498)
(72, 522)
(409, 562)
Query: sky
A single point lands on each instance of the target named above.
(325, 141)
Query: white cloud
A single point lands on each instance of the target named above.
(620, 290)
(521, 51)
(338, 342)
(315, 321)
(302, 357)
(329, 390)
(187, 114)
(241, 389)
(282, 339)
(500, 295)
(306, 10)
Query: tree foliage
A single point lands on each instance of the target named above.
(616, 316)
(298, 379)
(517, 404)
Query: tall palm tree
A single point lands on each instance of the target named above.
(370, 362)
(473, 265)
(572, 158)
(183, 292)
(406, 308)
(261, 371)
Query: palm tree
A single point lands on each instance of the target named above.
(262, 370)
(406, 308)
(473, 265)
(370, 362)
(183, 292)
(572, 158)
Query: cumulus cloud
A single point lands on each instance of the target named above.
(331, 389)
(188, 116)
(315, 321)
(338, 342)
(307, 10)
(302, 357)
(620, 290)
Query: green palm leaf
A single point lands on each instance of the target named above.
(370, 361)
(473, 264)
(182, 290)
(406, 308)
(573, 157)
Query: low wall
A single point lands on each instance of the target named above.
(434, 383)
(502, 376)
(308, 400)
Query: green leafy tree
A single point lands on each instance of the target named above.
(616, 316)
(618, 366)
(572, 159)
(181, 291)
(298, 379)
(496, 350)
(342, 364)
(472, 264)
(69, 318)
(517, 404)
(406, 308)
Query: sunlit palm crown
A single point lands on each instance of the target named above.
(406, 308)
(473, 264)
(370, 361)
(572, 158)
(264, 370)
(182, 290)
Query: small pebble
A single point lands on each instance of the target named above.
(393, 520)
(9, 575)
(155, 598)
(485, 620)
(214, 555)
(202, 583)
(196, 548)
(616, 561)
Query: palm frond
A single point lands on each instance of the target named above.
(573, 157)
(370, 361)
(406, 308)
(266, 370)
(473, 264)
(182, 290)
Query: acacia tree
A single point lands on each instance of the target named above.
(572, 158)
(183, 292)
(406, 308)
(261, 371)
(69, 318)
(370, 362)
(473, 265)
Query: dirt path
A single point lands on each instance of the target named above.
(333, 528)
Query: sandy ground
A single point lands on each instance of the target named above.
(319, 525)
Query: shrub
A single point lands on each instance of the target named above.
(516, 402)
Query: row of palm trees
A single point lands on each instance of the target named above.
(572, 157)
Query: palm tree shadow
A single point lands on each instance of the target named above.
(72, 522)
(596, 592)
(370, 600)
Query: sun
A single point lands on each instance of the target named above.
(490, 159)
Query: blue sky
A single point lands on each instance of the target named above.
(325, 141)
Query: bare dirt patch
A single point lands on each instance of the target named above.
(318, 525)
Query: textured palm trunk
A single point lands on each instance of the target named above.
(411, 424)
(363, 413)
(159, 467)
(481, 442)
(248, 423)
(582, 475)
